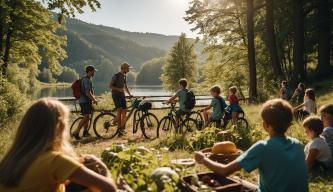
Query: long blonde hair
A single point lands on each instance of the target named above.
(44, 127)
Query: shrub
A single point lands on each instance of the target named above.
(11, 102)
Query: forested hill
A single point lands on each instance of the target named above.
(106, 48)
(159, 41)
(91, 42)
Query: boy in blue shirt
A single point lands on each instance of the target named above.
(279, 159)
(181, 94)
(218, 104)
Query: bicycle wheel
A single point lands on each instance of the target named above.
(198, 118)
(188, 125)
(242, 123)
(241, 114)
(148, 125)
(75, 125)
(136, 119)
(105, 126)
(166, 126)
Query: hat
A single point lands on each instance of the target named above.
(90, 68)
(125, 65)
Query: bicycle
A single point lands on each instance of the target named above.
(78, 120)
(168, 123)
(105, 125)
(227, 117)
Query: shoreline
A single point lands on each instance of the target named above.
(51, 85)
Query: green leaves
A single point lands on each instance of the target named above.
(181, 63)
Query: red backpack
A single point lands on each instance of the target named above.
(76, 88)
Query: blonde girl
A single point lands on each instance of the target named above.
(41, 158)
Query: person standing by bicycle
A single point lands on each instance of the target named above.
(86, 100)
(118, 86)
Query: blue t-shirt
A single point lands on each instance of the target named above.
(86, 85)
(181, 94)
(281, 164)
(218, 107)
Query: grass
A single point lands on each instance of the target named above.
(323, 183)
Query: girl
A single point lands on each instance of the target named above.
(317, 152)
(41, 158)
(234, 106)
(309, 105)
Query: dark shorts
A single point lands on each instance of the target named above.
(235, 108)
(86, 108)
(119, 100)
(180, 113)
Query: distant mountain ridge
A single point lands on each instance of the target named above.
(108, 47)
(159, 41)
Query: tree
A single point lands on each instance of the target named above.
(271, 40)
(28, 33)
(151, 72)
(68, 75)
(324, 30)
(299, 68)
(181, 63)
(251, 51)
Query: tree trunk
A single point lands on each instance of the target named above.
(323, 68)
(299, 72)
(271, 40)
(1, 29)
(251, 51)
(8, 40)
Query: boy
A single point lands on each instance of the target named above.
(218, 105)
(326, 113)
(181, 94)
(280, 159)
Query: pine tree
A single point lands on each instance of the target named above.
(181, 63)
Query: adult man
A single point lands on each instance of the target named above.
(86, 100)
(118, 86)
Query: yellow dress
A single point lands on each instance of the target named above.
(47, 173)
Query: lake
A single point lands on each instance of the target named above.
(136, 90)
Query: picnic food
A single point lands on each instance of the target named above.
(225, 147)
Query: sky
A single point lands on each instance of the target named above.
(155, 16)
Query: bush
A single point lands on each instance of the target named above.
(68, 75)
(11, 102)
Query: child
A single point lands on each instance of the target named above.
(317, 152)
(181, 94)
(234, 106)
(218, 105)
(308, 107)
(299, 94)
(41, 158)
(326, 113)
(284, 91)
(279, 159)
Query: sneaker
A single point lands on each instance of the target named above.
(76, 136)
(86, 134)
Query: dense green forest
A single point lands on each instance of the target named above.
(254, 44)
